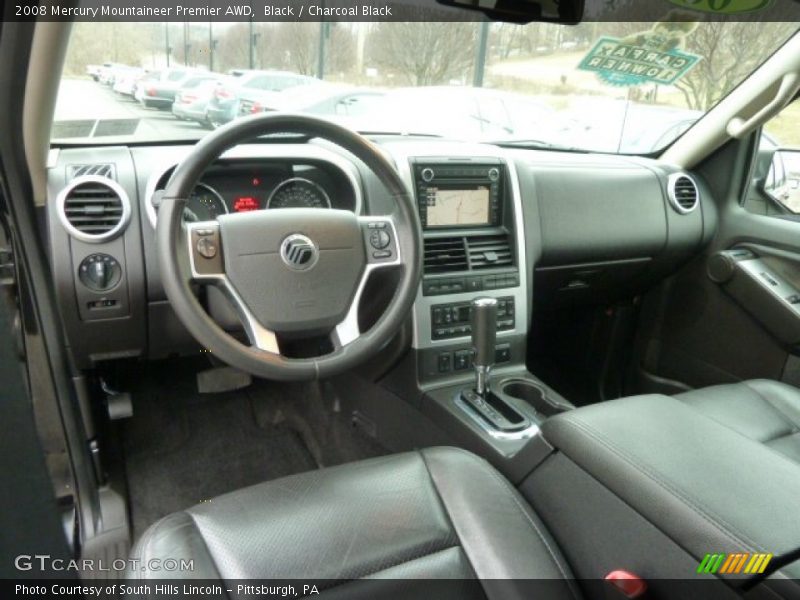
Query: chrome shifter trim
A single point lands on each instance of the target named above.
(524, 434)
(482, 379)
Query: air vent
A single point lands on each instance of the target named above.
(93, 209)
(100, 170)
(683, 193)
(445, 255)
(489, 252)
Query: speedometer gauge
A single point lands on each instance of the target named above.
(205, 204)
(298, 193)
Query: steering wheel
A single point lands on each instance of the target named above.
(294, 271)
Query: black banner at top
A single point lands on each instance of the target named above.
(401, 10)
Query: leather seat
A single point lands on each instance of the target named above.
(438, 513)
(762, 410)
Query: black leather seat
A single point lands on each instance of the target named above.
(438, 513)
(762, 410)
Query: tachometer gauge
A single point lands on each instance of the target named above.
(298, 193)
(205, 204)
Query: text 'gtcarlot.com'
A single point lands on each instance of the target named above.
(43, 562)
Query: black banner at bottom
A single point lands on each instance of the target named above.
(467, 589)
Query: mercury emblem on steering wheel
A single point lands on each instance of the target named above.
(299, 253)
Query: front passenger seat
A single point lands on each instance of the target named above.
(763, 410)
(440, 513)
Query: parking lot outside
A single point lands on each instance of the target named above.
(81, 97)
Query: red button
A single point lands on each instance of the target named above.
(631, 586)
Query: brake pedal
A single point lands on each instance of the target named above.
(222, 379)
(119, 404)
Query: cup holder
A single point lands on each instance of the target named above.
(532, 394)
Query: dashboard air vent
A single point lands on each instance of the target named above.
(683, 193)
(489, 252)
(93, 208)
(101, 170)
(444, 255)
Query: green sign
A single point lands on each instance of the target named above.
(726, 7)
(618, 63)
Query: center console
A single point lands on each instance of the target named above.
(474, 246)
(467, 372)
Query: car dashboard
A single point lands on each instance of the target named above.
(539, 228)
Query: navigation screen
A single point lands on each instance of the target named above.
(451, 207)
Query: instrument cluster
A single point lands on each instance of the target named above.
(243, 186)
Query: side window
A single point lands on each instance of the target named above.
(783, 179)
(775, 187)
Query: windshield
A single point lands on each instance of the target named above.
(609, 87)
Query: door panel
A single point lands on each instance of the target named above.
(766, 283)
(702, 336)
(727, 315)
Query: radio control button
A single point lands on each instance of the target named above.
(206, 247)
(379, 239)
(427, 174)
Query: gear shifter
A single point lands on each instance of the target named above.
(484, 336)
(493, 409)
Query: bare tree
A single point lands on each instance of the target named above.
(507, 39)
(99, 42)
(296, 44)
(341, 49)
(424, 53)
(232, 48)
(728, 56)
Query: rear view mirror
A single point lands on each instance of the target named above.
(524, 11)
(782, 180)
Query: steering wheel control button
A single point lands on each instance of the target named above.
(99, 272)
(206, 247)
(206, 251)
(299, 253)
(379, 239)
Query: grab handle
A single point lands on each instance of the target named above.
(790, 83)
